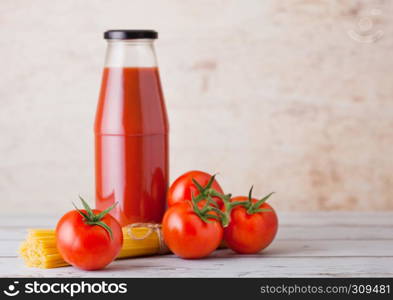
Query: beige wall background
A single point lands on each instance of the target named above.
(291, 96)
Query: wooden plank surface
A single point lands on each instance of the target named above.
(338, 244)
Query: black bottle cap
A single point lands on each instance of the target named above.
(126, 34)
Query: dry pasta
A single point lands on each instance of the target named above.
(39, 249)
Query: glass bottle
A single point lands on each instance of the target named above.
(131, 130)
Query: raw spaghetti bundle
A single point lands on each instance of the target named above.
(140, 239)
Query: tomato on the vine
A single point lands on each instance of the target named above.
(89, 239)
(252, 226)
(200, 213)
(190, 233)
(184, 187)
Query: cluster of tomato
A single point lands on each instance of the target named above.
(200, 217)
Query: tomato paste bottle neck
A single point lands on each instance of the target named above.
(130, 53)
(131, 101)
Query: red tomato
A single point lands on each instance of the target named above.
(88, 247)
(187, 235)
(250, 233)
(183, 188)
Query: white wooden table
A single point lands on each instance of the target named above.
(334, 244)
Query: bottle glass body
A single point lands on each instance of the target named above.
(131, 134)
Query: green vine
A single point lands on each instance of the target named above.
(211, 209)
(94, 219)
